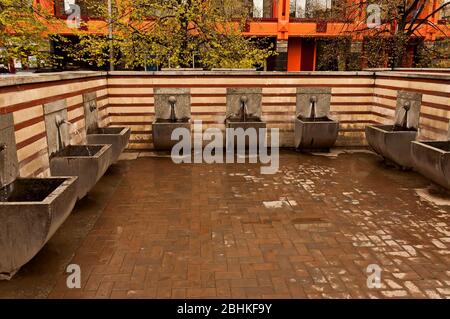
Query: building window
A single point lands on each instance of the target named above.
(262, 9)
(311, 8)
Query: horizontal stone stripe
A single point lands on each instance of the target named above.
(430, 104)
(77, 119)
(29, 122)
(74, 107)
(31, 140)
(39, 171)
(409, 79)
(203, 95)
(48, 99)
(424, 127)
(224, 85)
(32, 157)
(32, 86)
(399, 88)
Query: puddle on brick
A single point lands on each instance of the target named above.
(309, 220)
(128, 156)
(334, 153)
(432, 195)
(261, 222)
(279, 204)
(303, 223)
(163, 154)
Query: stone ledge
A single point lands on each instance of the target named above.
(20, 79)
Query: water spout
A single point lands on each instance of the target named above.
(172, 102)
(2, 147)
(243, 109)
(92, 106)
(406, 107)
(312, 105)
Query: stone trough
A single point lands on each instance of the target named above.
(31, 209)
(88, 162)
(118, 137)
(432, 160)
(243, 118)
(172, 111)
(393, 142)
(314, 129)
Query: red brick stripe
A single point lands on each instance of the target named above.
(30, 140)
(25, 105)
(27, 123)
(211, 85)
(33, 157)
(428, 92)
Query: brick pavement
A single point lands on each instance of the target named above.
(225, 231)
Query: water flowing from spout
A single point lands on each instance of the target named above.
(243, 109)
(406, 107)
(172, 103)
(312, 105)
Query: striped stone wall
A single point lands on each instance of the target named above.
(25, 97)
(435, 109)
(131, 100)
(126, 99)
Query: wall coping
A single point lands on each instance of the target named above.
(228, 72)
(31, 78)
(415, 75)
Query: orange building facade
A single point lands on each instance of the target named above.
(294, 26)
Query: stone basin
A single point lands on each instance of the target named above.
(88, 162)
(393, 145)
(251, 123)
(118, 137)
(162, 132)
(31, 210)
(432, 160)
(315, 133)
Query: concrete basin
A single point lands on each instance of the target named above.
(162, 133)
(314, 130)
(315, 134)
(172, 111)
(31, 210)
(432, 160)
(392, 145)
(88, 162)
(118, 137)
(393, 142)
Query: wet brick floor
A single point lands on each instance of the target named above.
(153, 229)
